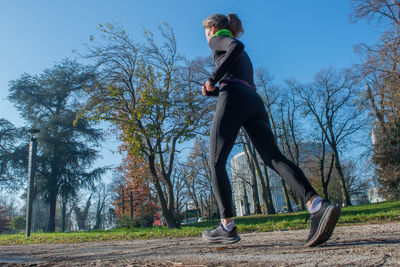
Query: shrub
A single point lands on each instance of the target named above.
(125, 221)
(4, 221)
(18, 223)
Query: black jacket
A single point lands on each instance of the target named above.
(232, 62)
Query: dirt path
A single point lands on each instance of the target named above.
(366, 245)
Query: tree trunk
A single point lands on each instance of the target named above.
(169, 204)
(123, 200)
(260, 176)
(100, 205)
(264, 188)
(286, 194)
(271, 208)
(246, 200)
(52, 200)
(286, 191)
(256, 198)
(254, 186)
(322, 170)
(378, 114)
(63, 213)
(345, 193)
(52, 214)
(68, 222)
(172, 222)
(192, 193)
(170, 194)
(168, 215)
(325, 190)
(262, 182)
(328, 177)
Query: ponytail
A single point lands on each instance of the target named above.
(235, 25)
(230, 22)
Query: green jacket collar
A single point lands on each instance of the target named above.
(223, 32)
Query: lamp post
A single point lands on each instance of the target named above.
(31, 179)
(131, 203)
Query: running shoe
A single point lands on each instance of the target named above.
(220, 235)
(323, 223)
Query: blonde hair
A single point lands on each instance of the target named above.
(230, 22)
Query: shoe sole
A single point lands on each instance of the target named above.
(224, 240)
(326, 226)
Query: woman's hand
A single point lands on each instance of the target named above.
(203, 89)
(209, 87)
(206, 88)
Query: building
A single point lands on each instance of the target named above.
(374, 196)
(242, 190)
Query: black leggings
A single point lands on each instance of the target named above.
(239, 105)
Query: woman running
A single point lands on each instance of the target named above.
(240, 105)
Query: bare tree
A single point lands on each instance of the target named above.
(289, 133)
(8, 202)
(117, 190)
(210, 202)
(331, 101)
(101, 194)
(178, 180)
(82, 214)
(381, 73)
(198, 179)
(325, 178)
(63, 202)
(382, 10)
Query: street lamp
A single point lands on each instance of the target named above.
(31, 179)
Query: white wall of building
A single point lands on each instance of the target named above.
(241, 180)
(374, 196)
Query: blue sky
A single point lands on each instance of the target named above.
(291, 38)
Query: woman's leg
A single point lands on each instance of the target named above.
(225, 128)
(263, 139)
(226, 124)
(324, 215)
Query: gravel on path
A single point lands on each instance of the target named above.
(361, 245)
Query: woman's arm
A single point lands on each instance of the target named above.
(233, 50)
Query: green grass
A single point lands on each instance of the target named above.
(363, 214)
